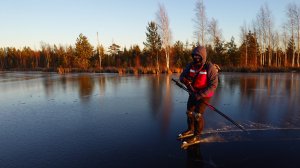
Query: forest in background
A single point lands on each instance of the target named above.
(261, 48)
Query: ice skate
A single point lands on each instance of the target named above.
(192, 141)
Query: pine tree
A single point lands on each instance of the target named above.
(153, 42)
(249, 50)
(178, 53)
(219, 56)
(291, 51)
(2, 58)
(233, 53)
(114, 51)
(83, 52)
(252, 49)
(136, 56)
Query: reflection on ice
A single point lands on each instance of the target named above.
(255, 132)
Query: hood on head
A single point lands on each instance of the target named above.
(200, 50)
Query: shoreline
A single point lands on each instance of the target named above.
(148, 70)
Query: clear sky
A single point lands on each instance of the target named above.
(124, 22)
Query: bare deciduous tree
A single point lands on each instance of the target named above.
(214, 30)
(291, 9)
(297, 19)
(244, 32)
(269, 24)
(265, 24)
(275, 46)
(165, 32)
(285, 41)
(258, 33)
(261, 33)
(99, 51)
(201, 23)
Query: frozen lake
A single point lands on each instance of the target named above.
(106, 120)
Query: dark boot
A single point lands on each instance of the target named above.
(199, 125)
(191, 126)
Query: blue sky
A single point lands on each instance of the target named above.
(124, 22)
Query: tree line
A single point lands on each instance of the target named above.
(260, 46)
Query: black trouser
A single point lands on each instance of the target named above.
(198, 107)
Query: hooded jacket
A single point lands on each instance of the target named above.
(204, 76)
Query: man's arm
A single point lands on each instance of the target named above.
(185, 73)
(212, 79)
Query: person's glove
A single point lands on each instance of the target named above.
(191, 88)
(186, 82)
